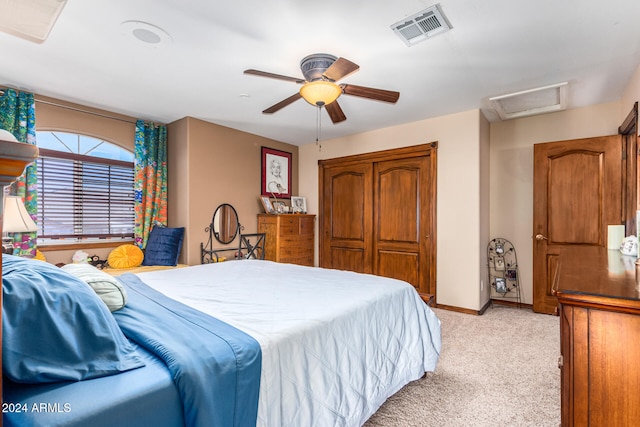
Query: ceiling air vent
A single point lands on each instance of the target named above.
(530, 102)
(421, 26)
(29, 19)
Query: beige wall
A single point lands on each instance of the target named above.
(512, 165)
(485, 208)
(209, 165)
(631, 93)
(485, 183)
(512, 171)
(461, 206)
(115, 128)
(485, 177)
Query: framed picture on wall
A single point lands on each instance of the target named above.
(276, 173)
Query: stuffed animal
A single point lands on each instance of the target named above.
(80, 257)
(97, 262)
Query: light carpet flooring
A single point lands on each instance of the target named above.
(499, 370)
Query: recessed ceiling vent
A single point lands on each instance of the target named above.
(31, 20)
(422, 26)
(530, 102)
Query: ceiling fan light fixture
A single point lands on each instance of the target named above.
(320, 92)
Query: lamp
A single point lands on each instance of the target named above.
(320, 92)
(5, 135)
(16, 219)
(280, 188)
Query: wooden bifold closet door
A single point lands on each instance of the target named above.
(378, 214)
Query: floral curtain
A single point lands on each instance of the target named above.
(18, 116)
(150, 180)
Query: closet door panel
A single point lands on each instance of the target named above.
(351, 259)
(398, 204)
(402, 220)
(398, 265)
(347, 218)
(347, 199)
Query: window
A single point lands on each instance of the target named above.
(85, 188)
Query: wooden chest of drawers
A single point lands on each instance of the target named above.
(599, 338)
(289, 238)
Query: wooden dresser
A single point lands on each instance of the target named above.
(599, 304)
(289, 237)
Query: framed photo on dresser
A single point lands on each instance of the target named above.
(266, 204)
(298, 204)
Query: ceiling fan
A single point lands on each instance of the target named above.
(321, 71)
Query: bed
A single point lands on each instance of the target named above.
(293, 345)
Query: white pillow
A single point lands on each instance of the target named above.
(110, 291)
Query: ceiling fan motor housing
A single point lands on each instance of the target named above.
(313, 66)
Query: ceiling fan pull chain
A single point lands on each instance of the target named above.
(318, 127)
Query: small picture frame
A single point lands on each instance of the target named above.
(498, 263)
(501, 285)
(280, 207)
(266, 204)
(298, 204)
(511, 274)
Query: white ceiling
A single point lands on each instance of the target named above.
(495, 47)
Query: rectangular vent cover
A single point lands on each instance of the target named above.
(421, 26)
(30, 19)
(530, 102)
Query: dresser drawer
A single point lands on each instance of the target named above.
(304, 260)
(289, 220)
(295, 251)
(289, 230)
(288, 241)
(306, 225)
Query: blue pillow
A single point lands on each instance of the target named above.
(55, 327)
(163, 246)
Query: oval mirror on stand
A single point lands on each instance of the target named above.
(225, 223)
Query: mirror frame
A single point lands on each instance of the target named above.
(215, 224)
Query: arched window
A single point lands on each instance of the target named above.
(85, 188)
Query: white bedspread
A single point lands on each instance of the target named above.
(335, 344)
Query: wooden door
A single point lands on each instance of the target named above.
(576, 195)
(630, 173)
(378, 214)
(402, 221)
(346, 238)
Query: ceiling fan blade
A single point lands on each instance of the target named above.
(340, 69)
(371, 93)
(335, 112)
(282, 103)
(274, 76)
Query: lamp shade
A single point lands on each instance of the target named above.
(320, 92)
(5, 135)
(16, 218)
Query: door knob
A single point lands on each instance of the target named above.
(540, 237)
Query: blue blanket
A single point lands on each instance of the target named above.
(215, 366)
